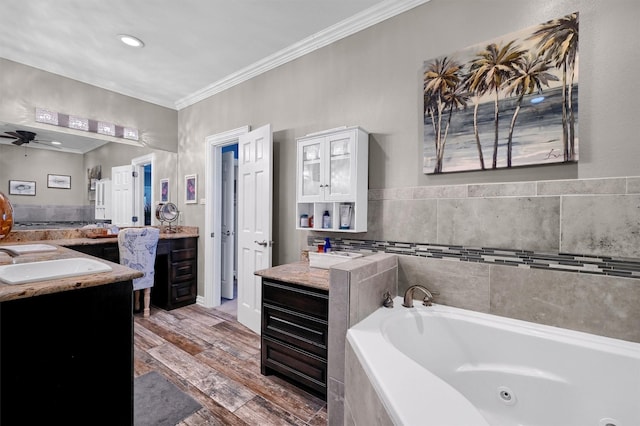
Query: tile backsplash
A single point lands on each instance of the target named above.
(33, 215)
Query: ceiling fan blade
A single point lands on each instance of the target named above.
(8, 137)
(15, 135)
(18, 142)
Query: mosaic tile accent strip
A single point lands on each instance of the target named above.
(568, 262)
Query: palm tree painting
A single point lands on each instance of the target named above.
(508, 102)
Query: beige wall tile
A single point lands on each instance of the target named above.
(402, 220)
(520, 189)
(448, 191)
(633, 185)
(602, 305)
(582, 186)
(460, 284)
(338, 320)
(530, 223)
(601, 225)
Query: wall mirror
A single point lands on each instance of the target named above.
(58, 153)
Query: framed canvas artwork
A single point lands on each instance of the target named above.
(507, 102)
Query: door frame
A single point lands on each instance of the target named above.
(213, 212)
(138, 164)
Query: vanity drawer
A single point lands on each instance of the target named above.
(305, 300)
(183, 291)
(182, 271)
(183, 254)
(300, 366)
(302, 331)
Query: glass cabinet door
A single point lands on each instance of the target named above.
(340, 166)
(311, 170)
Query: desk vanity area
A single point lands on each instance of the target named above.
(67, 342)
(176, 258)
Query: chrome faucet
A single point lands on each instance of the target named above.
(408, 296)
(10, 252)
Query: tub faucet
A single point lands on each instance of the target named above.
(408, 296)
(10, 252)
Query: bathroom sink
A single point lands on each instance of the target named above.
(50, 269)
(31, 248)
(327, 260)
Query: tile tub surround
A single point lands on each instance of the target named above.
(356, 289)
(556, 216)
(583, 277)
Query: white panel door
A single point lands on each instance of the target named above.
(122, 195)
(227, 240)
(255, 187)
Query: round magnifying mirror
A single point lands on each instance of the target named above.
(167, 212)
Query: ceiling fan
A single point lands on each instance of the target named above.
(24, 137)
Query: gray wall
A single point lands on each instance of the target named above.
(373, 79)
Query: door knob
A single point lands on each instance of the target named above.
(262, 243)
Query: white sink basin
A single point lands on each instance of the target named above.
(30, 248)
(50, 269)
(327, 260)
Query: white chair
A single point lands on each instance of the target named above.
(137, 247)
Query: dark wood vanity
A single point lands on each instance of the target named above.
(176, 281)
(67, 347)
(295, 314)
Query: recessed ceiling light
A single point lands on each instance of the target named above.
(56, 143)
(130, 40)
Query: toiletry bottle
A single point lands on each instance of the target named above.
(310, 221)
(304, 221)
(326, 220)
(327, 245)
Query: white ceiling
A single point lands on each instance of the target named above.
(190, 44)
(193, 48)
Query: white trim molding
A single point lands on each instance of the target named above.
(213, 211)
(358, 22)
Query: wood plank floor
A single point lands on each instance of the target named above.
(210, 356)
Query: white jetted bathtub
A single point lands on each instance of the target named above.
(446, 366)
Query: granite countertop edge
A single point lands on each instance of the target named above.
(298, 273)
(9, 292)
(77, 237)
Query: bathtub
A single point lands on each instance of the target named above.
(441, 366)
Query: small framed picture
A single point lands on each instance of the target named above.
(164, 190)
(191, 189)
(59, 181)
(22, 187)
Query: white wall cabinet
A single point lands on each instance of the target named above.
(103, 199)
(332, 175)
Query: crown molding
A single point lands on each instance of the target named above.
(365, 19)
